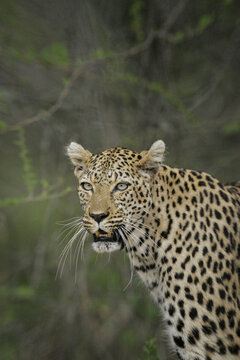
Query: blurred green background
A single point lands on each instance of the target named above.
(102, 73)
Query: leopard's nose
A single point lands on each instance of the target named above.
(98, 217)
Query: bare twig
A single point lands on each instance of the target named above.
(59, 102)
(176, 11)
(160, 33)
(40, 197)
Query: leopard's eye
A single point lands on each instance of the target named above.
(121, 186)
(86, 186)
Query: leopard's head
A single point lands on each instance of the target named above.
(115, 190)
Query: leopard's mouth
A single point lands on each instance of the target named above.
(107, 242)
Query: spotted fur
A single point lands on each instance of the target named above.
(181, 230)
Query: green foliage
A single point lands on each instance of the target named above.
(189, 32)
(106, 281)
(128, 338)
(150, 350)
(179, 36)
(28, 55)
(29, 176)
(21, 292)
(24, 292)
(65, 81)
(45, 184)
(55, 54)
(31, 179)
(3, 125)
(136, 19)
(8, 14)
(233, 127)
(204, 22)
(8, 352)
(99, 54)
(11, 201)
(172, 99)
(159, 89)
(44, 195)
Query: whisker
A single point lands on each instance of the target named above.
(68, 221)
(68, 232)
(65, 251)
(69, 226)
(121, 231)
(68, 250)
(80, 248)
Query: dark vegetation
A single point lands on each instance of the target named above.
(102, 73)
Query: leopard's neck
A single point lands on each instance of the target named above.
(152, 236)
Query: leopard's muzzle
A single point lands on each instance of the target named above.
(107, 242)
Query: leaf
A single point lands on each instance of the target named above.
(179, 36)
(79, 62)
(24, 292)
(45, 184)
(204, 22)
(158, 88)
(136, 13)
(65, 81)
(29, 176)
(228, 2)
(150, 350)
(102, 54)
(233, 127)
(28, 55)
(11, 201)
(3, 125)
(56, 54)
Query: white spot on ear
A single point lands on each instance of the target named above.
(78, 155)
(74, 150)
(152, 158)
(157, 150)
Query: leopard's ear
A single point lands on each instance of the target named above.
(78, 156)
(152, 158)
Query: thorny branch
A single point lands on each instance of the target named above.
(160, 33)
(57, 105)
(35, 198)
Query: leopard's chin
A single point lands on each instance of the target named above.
(103, 242)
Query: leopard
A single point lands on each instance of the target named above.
(181, 231)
